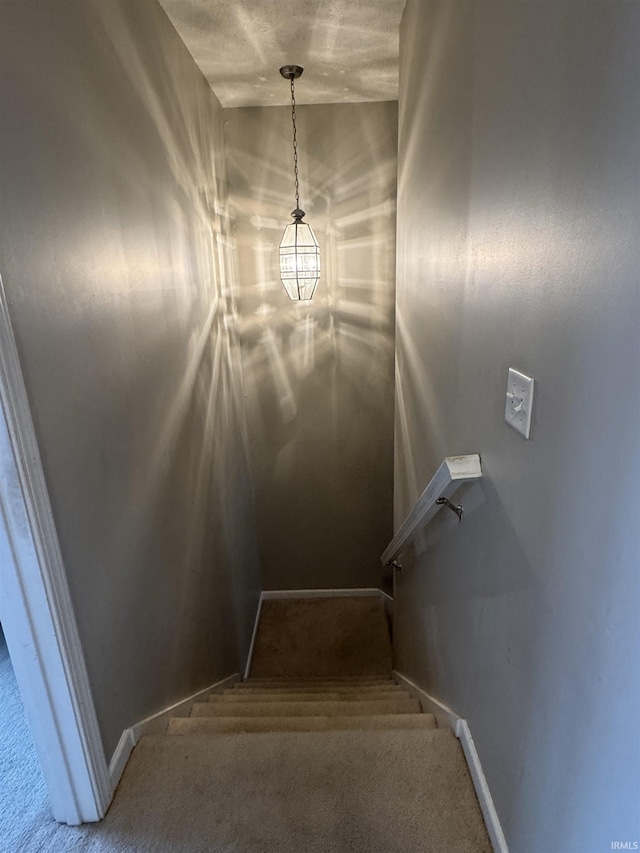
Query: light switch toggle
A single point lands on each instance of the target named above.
(520, 405)
(519, 402)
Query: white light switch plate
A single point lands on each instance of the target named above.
(519, 402)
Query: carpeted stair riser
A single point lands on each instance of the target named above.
(285, 696)
(313, 682)
(315, 679)
(236, 725)
(292, 709)
(338, 679)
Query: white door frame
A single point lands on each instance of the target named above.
(37, 614)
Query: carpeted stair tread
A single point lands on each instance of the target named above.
(318, 709)
(228, 725)
(286, 696)
(318, 687)
(310, 691)
(319, 792)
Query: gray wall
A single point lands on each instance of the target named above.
(518, 245)
(113, 251)
(319, 376)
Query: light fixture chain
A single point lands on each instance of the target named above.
(295, 142)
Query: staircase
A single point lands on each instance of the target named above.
(309, 705)
(319, 751)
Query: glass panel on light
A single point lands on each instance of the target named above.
(299, 261)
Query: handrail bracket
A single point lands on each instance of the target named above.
(459, 511)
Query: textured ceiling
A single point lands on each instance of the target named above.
(348, 48)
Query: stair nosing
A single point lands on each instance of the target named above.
(274, 709)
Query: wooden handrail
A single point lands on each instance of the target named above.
(454, 471)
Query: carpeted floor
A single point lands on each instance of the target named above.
(25, 819)
(288, 792)
(322, 637)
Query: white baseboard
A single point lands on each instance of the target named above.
(447, 718)
(120, 757)
(483, 793)
(271, 594)
(156, 724)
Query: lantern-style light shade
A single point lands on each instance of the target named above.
(299, 259)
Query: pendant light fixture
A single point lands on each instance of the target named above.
(299, 252)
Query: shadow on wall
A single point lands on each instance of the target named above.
(189, 508)
(200, 444)
(319, 375)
